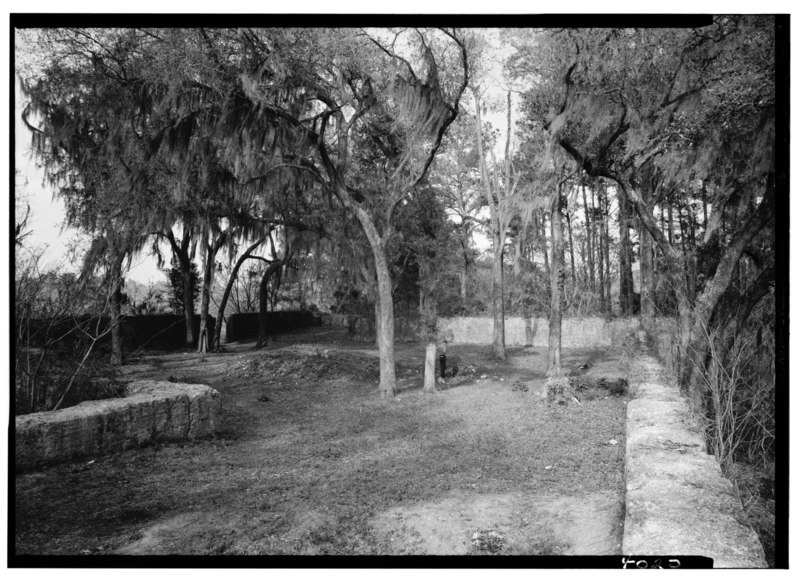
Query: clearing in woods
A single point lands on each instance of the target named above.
(310, 460)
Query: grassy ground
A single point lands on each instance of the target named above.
(312, 461)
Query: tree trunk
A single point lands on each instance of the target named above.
(205, 298)
(544, 245)
(185, 262)
(263, 295)
(601, 254)
(694, 321)
(556, 282)
(670, 225)
(589, 215)
(430, 326)
(188, 302)
(571, 249)
(463, 280)
(715, 288)
(647, 259)
(116, 312)
(498, 304)
(606, 247)
(625, 267)
(204, 342)
(736, 305)
(705, 208)
(691, 262)
(385, 323)
(463, 276)
(228, 287)
(377, 308)
(263, 326)
(429, 382)
(647, 277)
(601, 270)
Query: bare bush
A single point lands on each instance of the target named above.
(59, 331)
(740, 396)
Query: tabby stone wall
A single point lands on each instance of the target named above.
(677, 500)
(575, 332)
(151, 411)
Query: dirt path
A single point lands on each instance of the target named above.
(312, 461)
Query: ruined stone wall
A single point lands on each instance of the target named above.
(151, 411)
(677, 500)
(575, 332)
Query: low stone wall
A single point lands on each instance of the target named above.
(151, 411)
(575, 332)
(677, 500)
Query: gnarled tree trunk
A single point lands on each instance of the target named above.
(185, 263)
(228, 288)
(204, 340)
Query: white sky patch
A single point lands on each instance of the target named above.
(46, 212)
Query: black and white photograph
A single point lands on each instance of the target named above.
(398, 290)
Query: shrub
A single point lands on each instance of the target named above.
(58, 362)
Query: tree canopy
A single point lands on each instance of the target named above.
(656, 146)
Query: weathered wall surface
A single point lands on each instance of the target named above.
(677, 500)
(151, 411)
(575, 332)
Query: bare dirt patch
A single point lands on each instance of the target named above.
(518, 524)
(315, 462)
